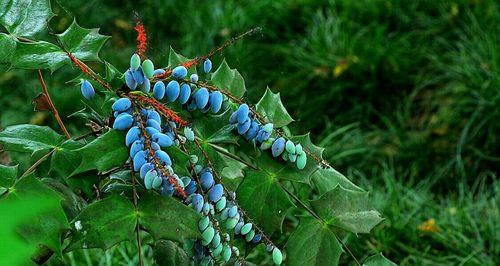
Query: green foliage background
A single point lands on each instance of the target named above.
(404, 95)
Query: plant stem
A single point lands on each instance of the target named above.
(51, 104)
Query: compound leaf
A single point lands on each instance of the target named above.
(229, 79)
(29, 138)
(25, 18)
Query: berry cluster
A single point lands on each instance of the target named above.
(245, 123)
(148, 139)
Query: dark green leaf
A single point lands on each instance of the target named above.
(103, 153)
(8, 45)
(378, 260)
(50, 225)
(263, 199)
(347, 209)
(167, 218)
(104, 223)
(271, 107)
(71, 203)
(229, 80)
(312, 244)
(169, 253)
(65, 160)
(25, 18)
(29, 138)
(325, 180)
(7, 175)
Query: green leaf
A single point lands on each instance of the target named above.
(169, 253)
(347, 209)
(378, 260)
(29, 138)
(72, 204)
(271, 107)
(263, 199)
(180, 160)
(229, 79)
(103, 224)
(325, 180)
(83, 43)
(17, 251)
(50, 225)
(25, 18)
(167, 218)
(65, 160)
(175, 59)
(7, 175)
(103, 153)
(312, 244)
(8, 45)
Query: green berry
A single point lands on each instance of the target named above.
(208, 235)
(250, 236)
(203, 223)
(221, 204)
(290, 147)
(148, 68)
(226, 253)
(135, 62)
(301, 160)
(277, 256)
(246, 228)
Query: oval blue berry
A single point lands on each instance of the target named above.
(215, 101)
(197, 202)
(121, 105)
(123, 122)
(133, 134)
(232, 211)
(152, 123)
(163, 157)
(193, 78)
(243, 127)
(151, 131)
(159, 90)
(144, 169)
(242, 113)
(135, 148)
(207, 180)
(158, 71)
(139, 160)
(163, 140)
(191, 187)
(87, 90)
(278, 147)
(173, 90)
(155, 116)
(233, 119)
(157, 182)
(130, 81)
(215, 193)
(146, 86)
(185, 93)
(151, 175)
(201, 97)
(179, 72)
(207, 65)
(138, 76)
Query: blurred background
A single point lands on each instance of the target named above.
(404, 96)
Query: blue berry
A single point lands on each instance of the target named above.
(151, 175)
(233, 118)
(207, 180)
(207, 65)
(242, 113)
(193, 78)
(278, 147)
(163, 140)
(135, 62)
(163, 157)
(185, 93)
(243, 127)
(123, 122)
(155, 116)
(138, 76)
(152, 123)
(121, 105)
(139, 160)
(252, 131)
(237, 228)
(158, 71)
(159, 90)
(146, 86)
(144, 169)
(201, 97)
(215, 193)
(133, 134)
(232, 211)
(256, 239)
(197, 202)
(191, 187)
(135, 148)
(215, 101)
(130, 81)
(172, 90)
(155, 146)
(157, 182)
(179, 72)
(151, 131)
(87, 90)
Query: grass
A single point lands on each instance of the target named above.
(404, 95)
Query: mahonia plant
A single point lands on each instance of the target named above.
(173, 152)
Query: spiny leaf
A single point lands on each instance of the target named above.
(325, 180)
(312, 244)
(347, 209)
(263, 200)
(29, 138)
(83, 43)
(25, 18)
(8, 45)
(229, 79)
(7, 175)
(169, 253)
(167, 218)
(103, 153)
(104, 223)
(271, 107)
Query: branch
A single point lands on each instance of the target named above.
(51, 104)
